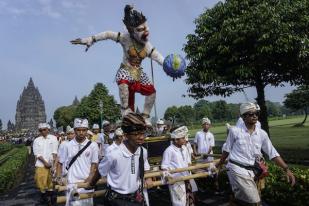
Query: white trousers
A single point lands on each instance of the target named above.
(244, 187)
(178, 193)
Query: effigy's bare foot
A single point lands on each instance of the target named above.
(126, 111)
(147, 120)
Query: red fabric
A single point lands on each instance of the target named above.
(143, 89)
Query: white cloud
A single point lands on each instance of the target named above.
(49, 8)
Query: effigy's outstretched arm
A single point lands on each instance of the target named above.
(89, 41)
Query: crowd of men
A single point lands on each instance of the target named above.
(118, 155)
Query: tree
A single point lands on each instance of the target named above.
(298, 99)
(202, 109)
(0, 125)
(89, 106)
(171, 112)
(65, 115)
(248, 43)
(186, 115)
(220, 110)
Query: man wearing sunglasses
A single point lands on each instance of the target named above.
(240, 122)
(125, 165)
(45, 151)
(243, 148)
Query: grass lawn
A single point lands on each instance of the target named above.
(283, 133)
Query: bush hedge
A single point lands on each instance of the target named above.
(5, 147)
(279, 192)
(10, 170)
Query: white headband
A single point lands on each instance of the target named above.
(180, 133)
(80, 123)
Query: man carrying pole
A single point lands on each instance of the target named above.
(243, 148)
(176, 156)
(124, 166)
(80, 156)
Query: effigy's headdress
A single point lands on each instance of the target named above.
(133, 18)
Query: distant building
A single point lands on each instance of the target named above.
(30, 109)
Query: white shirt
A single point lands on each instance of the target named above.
(80, 169)
(61, 150)
(204, 140)
(175, 157)
(111, 147)
(45, 147)
(189, 149)
(122, 169)
(240, 123)
(104, 143)
(244, 148)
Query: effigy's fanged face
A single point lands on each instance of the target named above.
(141, 33)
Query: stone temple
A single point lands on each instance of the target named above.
(30, 109)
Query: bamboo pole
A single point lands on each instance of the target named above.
(99, 193)
(190, 168)
(61, 188)
(156, 139)
(147, 175)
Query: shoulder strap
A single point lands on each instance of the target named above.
(78, 154)
(141, 168)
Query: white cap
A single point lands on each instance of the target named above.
(180, 133)
(95, 126)
(80, 123)
(43, 126)
(71, 130)
(206, 120)
(160, 121)
(67, 128)
(105, 122)
(61, 133)
(246, 107)
(119, 132)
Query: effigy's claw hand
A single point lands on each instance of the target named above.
(77, 41)
(87, 47)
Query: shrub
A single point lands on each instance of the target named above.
(10, 170)
(279, 192)
(5, 147)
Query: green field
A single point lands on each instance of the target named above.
(283, 133)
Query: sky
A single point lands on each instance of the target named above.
(35, 35)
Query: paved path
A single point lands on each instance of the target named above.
(26, 194)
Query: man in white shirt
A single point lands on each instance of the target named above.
(45, 150)
(176, 156)
(105, 139)
(118, 138)
(160, 128)
(96, 132)
(82, 168)
(124, 166)
(243, 148)
(70, 135)
(204, 140)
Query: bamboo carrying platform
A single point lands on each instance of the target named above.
(102, 181)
